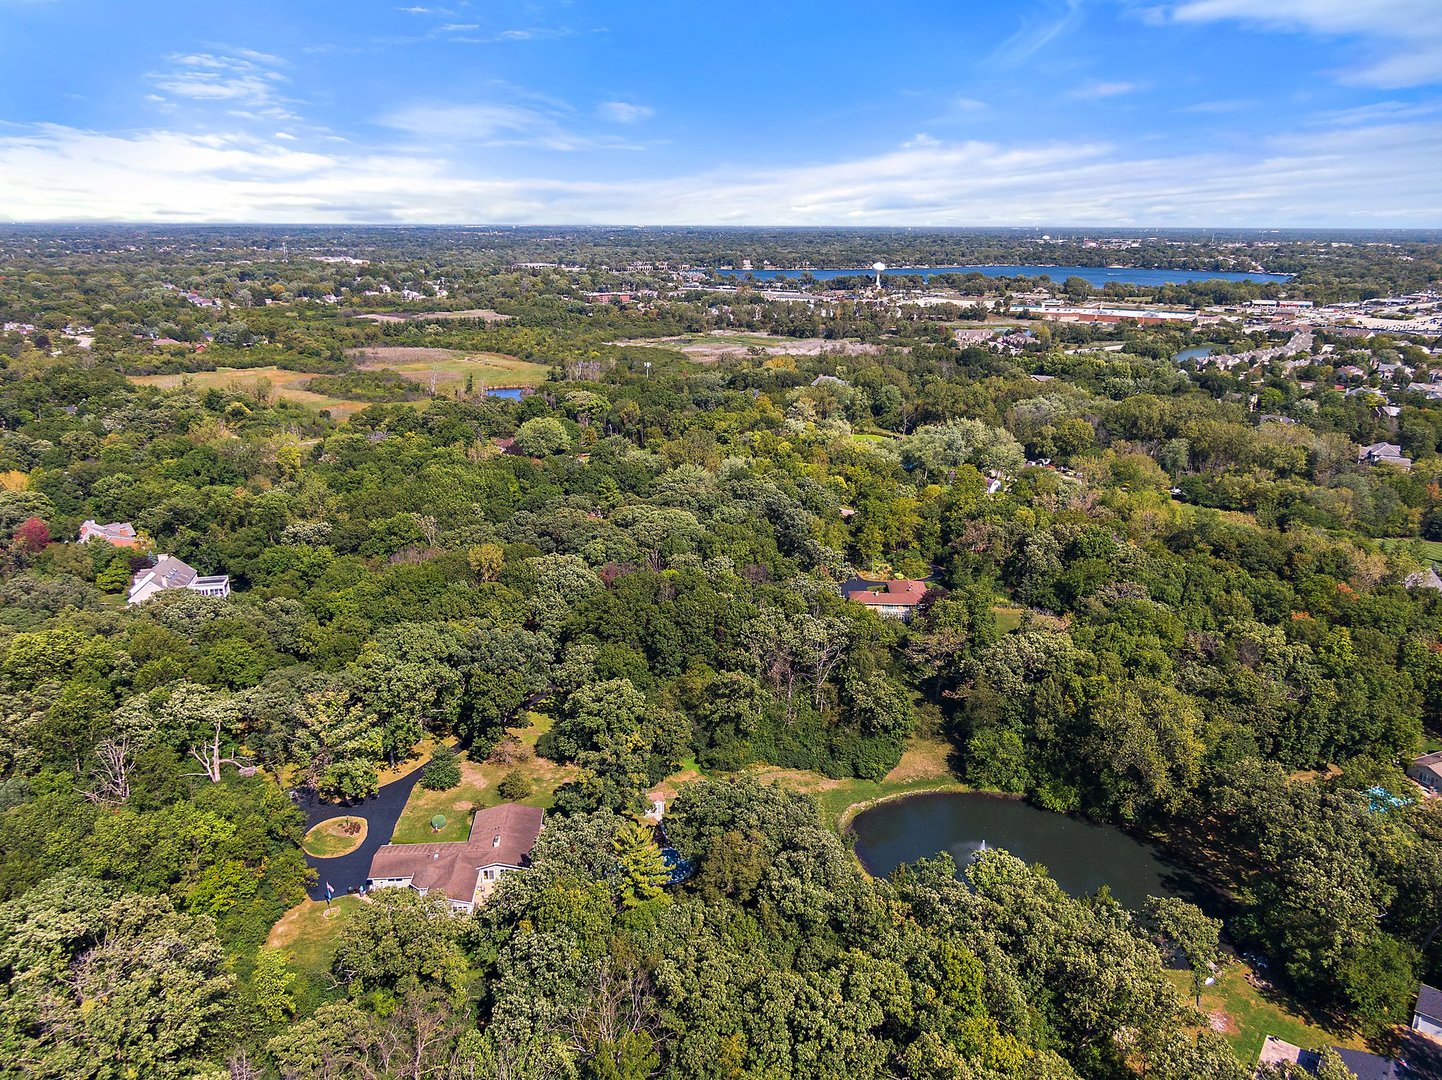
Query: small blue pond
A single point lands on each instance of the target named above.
(510, 393)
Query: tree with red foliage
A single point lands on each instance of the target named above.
(32, 535)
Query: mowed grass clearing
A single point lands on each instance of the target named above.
(477, 790)
(451, 367)
(310, 936)
(264, 383)
(1427, 549)
(1245, 1015)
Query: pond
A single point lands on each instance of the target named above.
(1197, 353)
(510, 393)
(1080, 855)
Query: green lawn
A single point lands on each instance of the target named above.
(477, 790)
(1008, 618)
(1427, 549)
(1246, 1015)
(310, 935)
(329, 839)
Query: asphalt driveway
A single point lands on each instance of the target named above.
(381, 812)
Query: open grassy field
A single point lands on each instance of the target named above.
(450, 367)
(477, 790)
(310, 935)
(329, 839)
(1245, 1014)
(1427, 549)
(262, 382)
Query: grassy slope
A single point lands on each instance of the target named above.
(922, 768)
(309, 935)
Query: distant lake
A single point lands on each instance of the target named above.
(1198, 353)
(1096, 275)
(510, 393)
(1081, 856)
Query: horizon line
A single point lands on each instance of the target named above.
(837, 226)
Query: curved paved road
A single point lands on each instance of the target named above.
(381, 812)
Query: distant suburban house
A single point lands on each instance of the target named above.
(1427, 1014)
(119, 533)
(464, 871)
(1383, 453)
(892, 599)
(1424, 579)
(170, 573)
(1427, 770)
(1364, 1066)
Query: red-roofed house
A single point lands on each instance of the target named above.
(466, 871)
(892, 599)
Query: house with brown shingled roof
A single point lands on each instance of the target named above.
(466, 871)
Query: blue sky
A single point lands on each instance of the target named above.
(913, 112)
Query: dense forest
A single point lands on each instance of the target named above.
(1165, 597)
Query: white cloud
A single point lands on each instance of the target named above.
(542, 126)
(1361, 176)
(241, 77)
(1038, 31)
(624, 112)
(1094, 91)
(1406, 34)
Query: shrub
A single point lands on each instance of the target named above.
(443, 771)
(514, 786)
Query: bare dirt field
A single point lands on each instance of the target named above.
(484, 314)
(728, 344)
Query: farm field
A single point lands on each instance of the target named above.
(450, 367)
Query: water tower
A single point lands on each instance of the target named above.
(879, 268)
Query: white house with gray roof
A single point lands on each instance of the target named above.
(170, 573)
